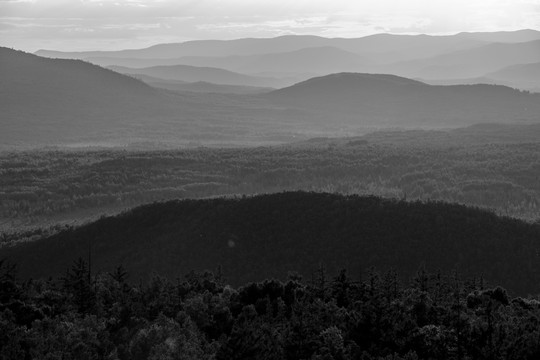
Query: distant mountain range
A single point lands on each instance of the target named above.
(518, 72)
(188, 73)
(465, 56)
(201, 86)
(503, 36)
(522, 76)
(306, 62)
(469, 63)
(54, 101)
(395, 101)
(380, 43)
(421, 45)
(58, 101)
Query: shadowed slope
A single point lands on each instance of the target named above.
(267, 236)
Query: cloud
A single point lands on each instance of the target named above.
(138, 23)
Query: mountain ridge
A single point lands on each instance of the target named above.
(299, 57)
(201, 86)
(75, 102)
(470, 62)
(189, 73)
(57, 101)
(519, 73)
(288, 43)
(284, 43)
(365, 97)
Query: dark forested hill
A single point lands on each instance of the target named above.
(267, 236)
(391, 100)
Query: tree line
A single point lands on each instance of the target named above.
(45, 188)
(85, 315)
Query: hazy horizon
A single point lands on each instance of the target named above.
(62, 25)
(34, 50)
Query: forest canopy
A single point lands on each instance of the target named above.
(83, 315)
(492, 166)
(267, 236)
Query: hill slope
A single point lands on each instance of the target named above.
(267, 236)
(58, 98)
(195, 74)
(201, 86)
(525, 76)
(469, 63)
(525, 72)
(57, 102)
(392, 100)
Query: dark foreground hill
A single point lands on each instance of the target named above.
(267, 236)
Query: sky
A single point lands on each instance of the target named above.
(75, 25)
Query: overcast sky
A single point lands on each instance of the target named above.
(119, 24)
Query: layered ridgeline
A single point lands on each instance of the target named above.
(65, 102)
(466, 56)
(389, 100)
(469, 62)
(525, 75)
(200, 86)
(381, 48)
(196, 73)
(44, 99)
(254, 238)
(375, 44)
(54, 101)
